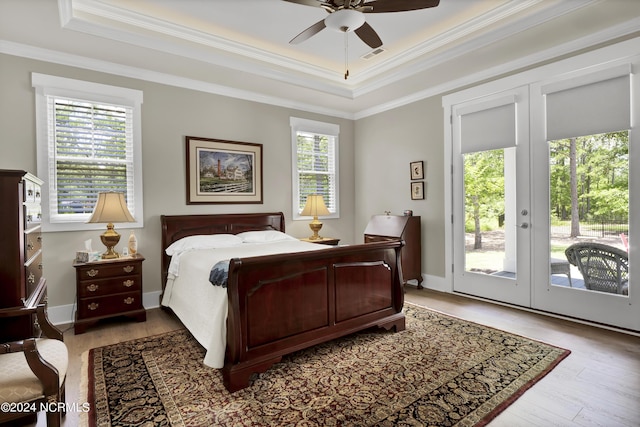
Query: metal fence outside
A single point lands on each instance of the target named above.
(606, 227)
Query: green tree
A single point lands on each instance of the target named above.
(589, 177)
(484, 189)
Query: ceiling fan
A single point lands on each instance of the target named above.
(348, 15)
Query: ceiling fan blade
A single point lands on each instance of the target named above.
(368, 35)
(315, 3)
(383, 6)
(309, 32)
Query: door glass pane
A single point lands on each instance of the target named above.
(589, 207)
(489, 193)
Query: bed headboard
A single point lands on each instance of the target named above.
(175, 227)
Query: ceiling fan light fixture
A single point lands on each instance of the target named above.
(345, 20)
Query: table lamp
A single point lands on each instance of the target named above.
(315, 206)
(110, 207)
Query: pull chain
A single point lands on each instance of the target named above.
(346, 55)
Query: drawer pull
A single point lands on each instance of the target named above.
(129, 300)
(30, 246)
(93, 306)
(40, 266)
(93, 272)
(128, 268)
(92, 287)
(128, 283)
(39, 239)
(31, 279)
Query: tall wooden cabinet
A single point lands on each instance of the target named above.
(407, 228)
(20, 247)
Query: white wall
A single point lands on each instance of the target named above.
(385, 144)
(168, 115)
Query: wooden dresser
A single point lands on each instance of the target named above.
(407, 228)
(20, 248)
(107, 289)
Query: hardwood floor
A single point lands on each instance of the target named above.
(597, 385)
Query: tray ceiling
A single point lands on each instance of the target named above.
(243, 45)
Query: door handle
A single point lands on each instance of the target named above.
(524, 225)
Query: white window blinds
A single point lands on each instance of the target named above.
(92, 148)
(592, 104)
(315, 160)
(316, 168)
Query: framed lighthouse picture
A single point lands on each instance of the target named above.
(220, 171)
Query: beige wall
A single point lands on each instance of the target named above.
(385, 145)
(168, 115)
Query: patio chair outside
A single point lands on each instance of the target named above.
(604, 268)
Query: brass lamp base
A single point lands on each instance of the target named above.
(315, 226)
(110, 239)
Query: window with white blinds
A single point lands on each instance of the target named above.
(315, 164)
(88, 144)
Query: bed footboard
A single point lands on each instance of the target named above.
(279, 304)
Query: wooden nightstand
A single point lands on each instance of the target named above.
(324, 241)
(108, 288)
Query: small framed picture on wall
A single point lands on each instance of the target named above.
(417, 190)
(417, 170)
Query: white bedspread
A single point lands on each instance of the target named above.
(201, 306)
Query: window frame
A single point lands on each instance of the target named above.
(46, 86)
(320, 128)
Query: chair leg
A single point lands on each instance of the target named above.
(53, 418)
(63, 399)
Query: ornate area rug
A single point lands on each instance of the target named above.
(440, 371)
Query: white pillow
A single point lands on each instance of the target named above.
(264, 236)
(203, 241)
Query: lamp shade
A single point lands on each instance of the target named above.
(315, 206)
(111, 207)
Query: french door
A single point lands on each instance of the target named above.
(491, 220)
(537, 169)
(585, 163)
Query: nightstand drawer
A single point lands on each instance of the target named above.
(95, 271)
(94, 288)
(108, 305)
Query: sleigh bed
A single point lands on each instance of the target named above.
(272, 305)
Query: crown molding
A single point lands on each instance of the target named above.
(91, 17)
(61, 58)
(430, 61)
(104, 20)
(610, 34)
(11, 48)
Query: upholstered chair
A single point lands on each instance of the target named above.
(33, 370)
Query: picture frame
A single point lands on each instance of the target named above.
(417, 190)
(417, 169)
(223, 172)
